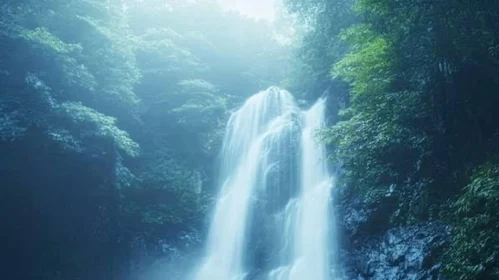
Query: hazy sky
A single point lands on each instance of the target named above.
(262, 9)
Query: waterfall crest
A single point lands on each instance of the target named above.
(271, 217)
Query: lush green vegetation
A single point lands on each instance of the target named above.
(421, 113)
(112, 114)
(473, 254)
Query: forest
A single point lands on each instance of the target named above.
(114, 115)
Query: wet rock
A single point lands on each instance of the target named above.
(358, 219)
(397, 255)
(366, 267)
(411, 252)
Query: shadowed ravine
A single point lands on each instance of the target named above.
(274, 191)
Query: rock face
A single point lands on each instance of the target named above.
(400, 253)
(370, 248)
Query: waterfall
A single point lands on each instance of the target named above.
(311, 240)
(271, 216)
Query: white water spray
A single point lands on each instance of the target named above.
(311, 234)
(256, 149)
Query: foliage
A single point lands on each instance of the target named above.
(370, 142)
(100, 125)
(199, 101)
(422, 79)
(87, 84)
(116, 109)
(169, 199)
(473, 253)
(382, 140)
(10, 127)
(367, 67)
(42, 37)
(320, 24)
(196, 49)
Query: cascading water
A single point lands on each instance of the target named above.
(272, 213)
(311, 209)
(311, 234)
(251, 133)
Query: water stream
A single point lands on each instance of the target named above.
(272, 214)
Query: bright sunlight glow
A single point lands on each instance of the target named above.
(259, 9)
